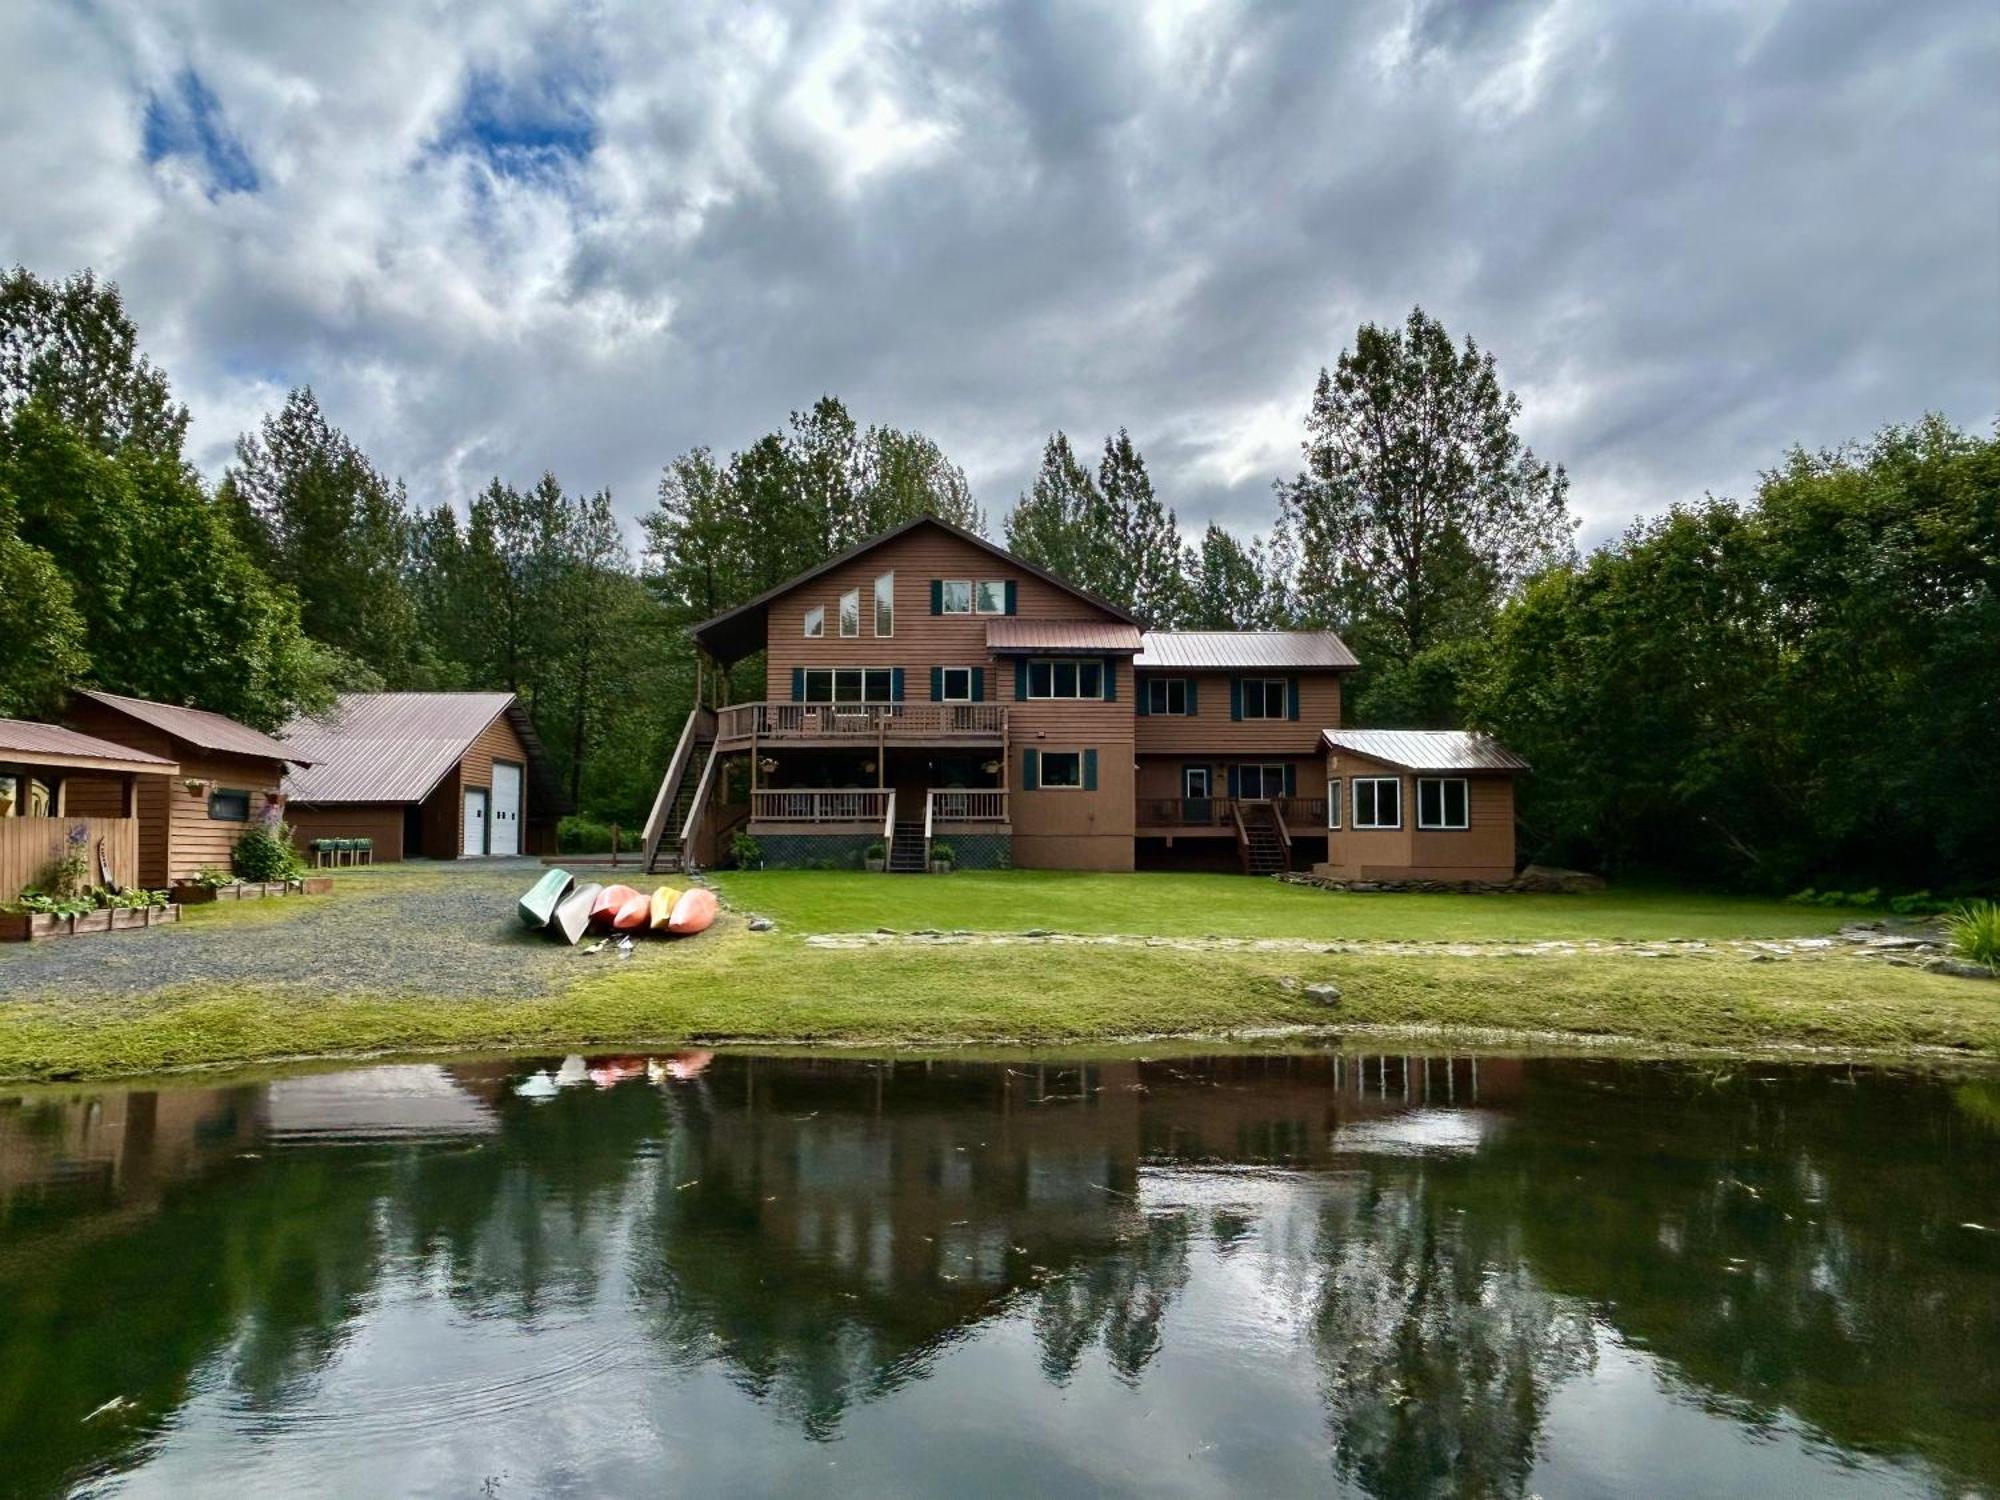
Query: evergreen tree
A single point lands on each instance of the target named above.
(1063, 524)
(45, 653)
(1228, 587)
(905, 475)
(70, 346)
(333, 528)
(1146, 576)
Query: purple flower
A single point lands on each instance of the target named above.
(79, 835)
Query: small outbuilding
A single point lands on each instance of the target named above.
(1418, 804)
(228, 775)
(441, 775)
(43, 767)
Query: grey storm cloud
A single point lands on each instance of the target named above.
(584, 239)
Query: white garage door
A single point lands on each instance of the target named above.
(506, 808)
(475, 821)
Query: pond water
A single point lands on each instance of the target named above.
(1248, 1275)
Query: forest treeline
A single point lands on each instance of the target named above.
(1800, 686)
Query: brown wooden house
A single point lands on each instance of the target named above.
(1419, 804)
(42, 769)
(441, 775)
(229, 774)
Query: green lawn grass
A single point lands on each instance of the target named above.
(1175, 905)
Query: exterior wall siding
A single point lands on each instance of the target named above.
(380, 821)
(1483, 851)
(1210, 731)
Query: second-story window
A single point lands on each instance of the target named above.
(992, 596)
(1263, 697)
(1065, 679)
(1167, 695)
(850, 612)
(955, 596)
(885, 604)
(816, 622)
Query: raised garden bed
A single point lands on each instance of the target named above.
(192, 893)
(28, 926)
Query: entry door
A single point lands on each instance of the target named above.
(475, 821)
(506, 808)
(1195, 793)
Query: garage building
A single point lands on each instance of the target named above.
(441, 775)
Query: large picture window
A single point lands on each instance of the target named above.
(1062, 768)
(849, 685)
(850, 613)
(1167, 695)
(1378, 802)
(992, 596)
(1257, 782)
(885, 605)
(1443, 802)
(955, 596)
(1065, 679)
(1263, 697)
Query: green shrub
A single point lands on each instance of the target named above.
(1868, 897)
(577, 834)
(1974, 932)
(940, 850)
(213, 877)
(1831, 898)
(876, 850)
(265, 851)
(746, 851)
(1912, 904)
(1806, 897)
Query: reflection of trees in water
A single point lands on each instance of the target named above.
(1437, 1351)
(1119, 1295)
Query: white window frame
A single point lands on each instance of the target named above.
(1079, 664)
(816, 622)
(1262, 768)
(1166, 684)
(1375, 826)
(1042, 772)
(1243, 698)
(1333, 804)
(1207, 775)
(833, 676)
(885, 605)
(945, 587)
(999, 587)
(1440, 782)
(945, 694)
(850, 614)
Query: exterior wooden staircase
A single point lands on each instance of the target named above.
(689, 778)
(907, 850)
(1260, 841)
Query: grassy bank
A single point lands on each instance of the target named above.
(736, 986)
(1174, 905)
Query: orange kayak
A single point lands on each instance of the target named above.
(693, 912)
(608, 901)
(663, 906)
(632, 913)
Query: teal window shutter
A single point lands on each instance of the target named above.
(1020, 679)
(1235, 705)
(798, 684)
(1110, 679)
(937, 684)
(1291, 700)
(1031, 769)
(895, 684)
(1190, 697)
(1090, 770)
(1232, 781)
(979, 684)
(937, 596)
(1139, 696)
(1012, 597)
(1291, 781)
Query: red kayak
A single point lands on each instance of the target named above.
(693, 912)
(610, 901)
(633, 913)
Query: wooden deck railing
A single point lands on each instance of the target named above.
(957, 805)
(1295, 814)
(842, 806)
(837, 723)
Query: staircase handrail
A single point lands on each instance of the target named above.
(663, 801)
(889, 820)
(700, 803)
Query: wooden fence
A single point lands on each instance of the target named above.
(29, 847)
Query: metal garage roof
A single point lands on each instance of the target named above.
(387, 747)
(195, 726)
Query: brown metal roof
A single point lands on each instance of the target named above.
(195, 726)
(1011, 633)
(1426, 749)
(735, 633)
(1245, 650)
(387, 747)
(30, 743)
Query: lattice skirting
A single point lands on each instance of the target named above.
(815, 851)
(981, 851)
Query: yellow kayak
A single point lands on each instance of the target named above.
(663, 907)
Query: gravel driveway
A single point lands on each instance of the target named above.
(425, 928)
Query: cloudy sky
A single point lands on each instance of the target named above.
(586, 237)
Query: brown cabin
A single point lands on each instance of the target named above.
(1419, 804)
(42, 767)
(437, 775)
(229, 774)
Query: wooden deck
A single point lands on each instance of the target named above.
(1215, 817)
(858, 725)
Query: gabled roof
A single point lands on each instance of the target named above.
(387, 747)
(735, 633)
(1426, 749)
(1010, 633)
(28, 743)
(1245, 650)
(195, 726)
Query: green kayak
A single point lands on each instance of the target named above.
(539, 905)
